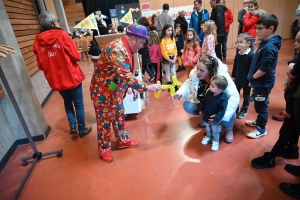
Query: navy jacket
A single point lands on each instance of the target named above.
(94, 50)
(265, 59)
(218, 16)
(241, 67)
(214, 105)
(201, 37)
(145, 54)
(179, 43)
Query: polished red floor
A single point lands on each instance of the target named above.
(171, 162)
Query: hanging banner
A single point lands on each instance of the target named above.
(88, 23)
(127, 18)
(173, 12)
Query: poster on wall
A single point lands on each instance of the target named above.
(145, 6)
(173, 12)
(113, 13)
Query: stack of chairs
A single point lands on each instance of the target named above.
(83, 45)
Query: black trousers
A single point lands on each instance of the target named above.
(246, 96)
(288, 135)
(261, 106)
(218, 47)
(297, 113)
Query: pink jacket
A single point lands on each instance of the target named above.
(155, 57)
(155, 53)
(190, 56)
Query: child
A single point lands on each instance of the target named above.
(287, 144)
(192, 51)
(155, 54)
(168, 51)
(250, 19)
(146, 62)
(120, 29)
(94, 51)
(111, 29)
(201, 33)
(179, 46)
(210, 39)
(241, 67)
(261, 75)
(215, 103)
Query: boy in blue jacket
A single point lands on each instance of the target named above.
(262, 71)
(214, 103)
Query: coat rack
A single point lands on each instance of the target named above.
(4, 50)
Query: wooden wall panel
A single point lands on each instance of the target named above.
(275, 7)
(74, 11)
(289, 18)
(25, 24)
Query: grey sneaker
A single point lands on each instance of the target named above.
(242, 114)
(251, 122)
(228, 135)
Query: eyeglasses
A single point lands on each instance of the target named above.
(240, 42)
(260, 28)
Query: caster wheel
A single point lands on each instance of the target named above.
(25, 163)
(59, 154)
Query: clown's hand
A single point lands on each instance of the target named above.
(135, 95)
(154, 87)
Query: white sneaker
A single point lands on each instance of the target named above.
(251, 122)
(215, 146)
(256, 134)
(205, 140)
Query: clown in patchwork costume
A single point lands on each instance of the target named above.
(112, 76)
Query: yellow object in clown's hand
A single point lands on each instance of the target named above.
(170, 87)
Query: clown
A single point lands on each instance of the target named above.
(112, 76)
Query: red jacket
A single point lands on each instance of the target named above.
(228, 19)
(58, 57)
(250, 20)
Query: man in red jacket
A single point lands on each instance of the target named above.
(228, 21)
(58, 57)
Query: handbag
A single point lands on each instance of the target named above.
(1, 93)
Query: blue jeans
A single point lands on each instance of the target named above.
(149, 69)
(224, 46)
(193, 109)
(74, 97)
(213, 130)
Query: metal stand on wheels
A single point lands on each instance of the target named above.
(36, 155)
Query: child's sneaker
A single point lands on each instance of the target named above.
(252, 97)
(205, 140)
(242, 114)
(257, 133)
(251, 122)
(215, 146)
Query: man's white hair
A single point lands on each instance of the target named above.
(46, 18)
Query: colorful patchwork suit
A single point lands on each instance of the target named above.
(115, 62)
